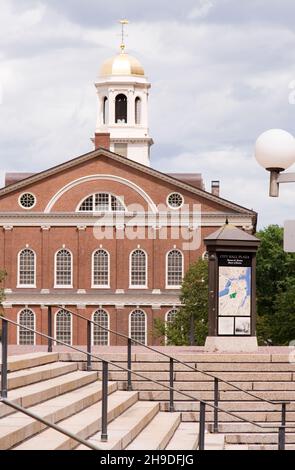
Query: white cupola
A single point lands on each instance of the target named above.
(123, 92)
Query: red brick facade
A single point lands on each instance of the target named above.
(53, 223)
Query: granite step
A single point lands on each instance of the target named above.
(186, 437)
(265, 447)
(26, 361)
(36, 374)
(158, 433)
(206, 367)
(36, 393)
(83, 424)
(225, 396)
(214, 441)
(18, 427)
(123, 430)
(199, 376)
(258, 438)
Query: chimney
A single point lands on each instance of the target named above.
(215, 188)
(102, 139)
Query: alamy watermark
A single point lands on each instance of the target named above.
(138, 224)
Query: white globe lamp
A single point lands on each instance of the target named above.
(275, 151)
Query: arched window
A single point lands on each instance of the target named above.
(170, 317)
(105, 110)
(101, 202)
(26, 318)
(100, 336)
(174, 269)
(121, 109)
(26, 268)
(63, 327)
(63, 269)
(137, 110)
(138, 269)
(101, 269)
(137, 326)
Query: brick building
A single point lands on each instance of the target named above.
(104, 234)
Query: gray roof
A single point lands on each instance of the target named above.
(194, 179)
(231, 233)
(11, 178)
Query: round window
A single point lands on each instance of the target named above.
(27, 201)
(175, 200)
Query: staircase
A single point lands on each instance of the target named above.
(58, 388)
(61, 393)
(268, 376)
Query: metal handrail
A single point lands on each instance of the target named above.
(203, 403)
(48, 424)
(195, 369)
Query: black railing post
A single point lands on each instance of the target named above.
(89, 362)
(216, 400)
(104, 413)
(282, 428)
(284, 414)
(171, 405)
(49, 330)
(282, 437)
(202, 425)
(4, 385)
(129, 365)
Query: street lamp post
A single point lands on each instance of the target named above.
(275, 151)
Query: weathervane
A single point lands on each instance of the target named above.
(123, 23)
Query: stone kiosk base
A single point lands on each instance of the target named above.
(231, 344)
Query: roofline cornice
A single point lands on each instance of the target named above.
(135, 165)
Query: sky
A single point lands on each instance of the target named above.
(222, 72)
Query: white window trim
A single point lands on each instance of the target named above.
(92, 325)
(108, 285)
(166, 274)
(26, 286)
(27, 208)
(146, 270)
(93, 196)
(130, 316)
(174, 208)
(85, 179)
(55, 265)
(18, 328)
(55, 322)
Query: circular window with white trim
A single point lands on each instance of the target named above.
(175, 201)
(27, 201)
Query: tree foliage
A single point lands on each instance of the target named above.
(275, 297)
(190, 325)
(275, 288)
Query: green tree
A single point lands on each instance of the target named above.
(190, 325)
(283, 324)
(275, 276)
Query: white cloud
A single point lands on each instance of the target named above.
(201, 10)
(217, 83)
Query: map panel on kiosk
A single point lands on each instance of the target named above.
(234, 292)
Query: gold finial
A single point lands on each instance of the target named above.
(123, 23)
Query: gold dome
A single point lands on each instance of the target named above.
(122, 64)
